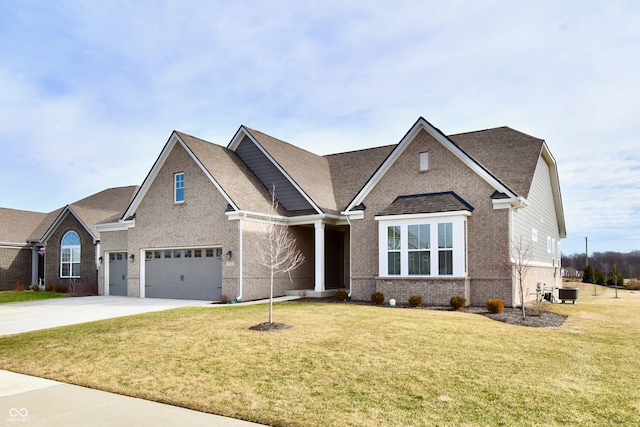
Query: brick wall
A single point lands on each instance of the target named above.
(15, 265)
(88, 271)
(488, 229)
(256, 282)
(199, 221)
(437, 291)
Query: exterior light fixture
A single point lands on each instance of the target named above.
(132, 257)
(229, 255)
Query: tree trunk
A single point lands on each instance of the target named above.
(271, 300)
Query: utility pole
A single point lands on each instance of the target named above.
(586, 249)
(586, 254)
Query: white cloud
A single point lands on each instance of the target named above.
(95, 88)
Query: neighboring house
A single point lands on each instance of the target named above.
(433, 215)
(16, 254)
(61, 247)
(571, 273)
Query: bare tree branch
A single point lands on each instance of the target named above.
(276, 249)
(519, 261)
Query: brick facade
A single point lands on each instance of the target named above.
(88, 269)
(488, 229)
(15, 265)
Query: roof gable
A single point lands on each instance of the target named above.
(175, 139)
(306, 172)
(92, 210)
(422, 124)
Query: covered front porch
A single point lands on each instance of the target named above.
(330, 258)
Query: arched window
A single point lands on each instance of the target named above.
(70, 255)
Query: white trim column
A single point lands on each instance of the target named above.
(34, 266)
(319, 256)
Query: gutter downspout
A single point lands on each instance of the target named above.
(239, 298)
(350, 256)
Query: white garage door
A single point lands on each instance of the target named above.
(184, 273)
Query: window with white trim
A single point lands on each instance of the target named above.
(534, 235)
(424, 161)
(445, 248)
(422, 245)
(178, 187)
(418, 250)
(393, 250)
(70, 255)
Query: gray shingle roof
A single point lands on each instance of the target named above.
(427, 203)
(105, 205)
(16, 225)
(350, 171)
(509, 155)
(310, 171)
(230, 172)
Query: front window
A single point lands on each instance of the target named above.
(419, 240)
(393, 250)
(423, 245)
(70, 255)
(178, 187)
(445, 248)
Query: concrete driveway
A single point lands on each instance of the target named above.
(34, 315)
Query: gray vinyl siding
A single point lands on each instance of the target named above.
(288, 196)
(539, 214)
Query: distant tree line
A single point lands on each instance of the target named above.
(626, 264)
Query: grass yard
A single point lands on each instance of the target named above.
(348, 365)
(15, 296)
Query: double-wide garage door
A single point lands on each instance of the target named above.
(184, 273)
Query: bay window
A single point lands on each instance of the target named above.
(424, 245)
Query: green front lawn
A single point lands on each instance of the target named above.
(15, 296)
(344, 365)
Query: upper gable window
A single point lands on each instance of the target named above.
(70, 255)
(178, 187)
(424, 161)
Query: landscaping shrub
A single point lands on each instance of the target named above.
(457, 302)
(35, 288)
(415, 301)
(48, 288)
(495, 306)
(20, 286)
(60, 289)
(634, 285)
(341, 295)
(377, 298)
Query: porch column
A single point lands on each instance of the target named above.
(34, 266)
(319, 256)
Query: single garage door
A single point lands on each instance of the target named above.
(118, 273)
(184, 273)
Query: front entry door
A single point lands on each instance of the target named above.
(118, 273)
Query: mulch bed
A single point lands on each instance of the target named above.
(512, 316)
(270, 327)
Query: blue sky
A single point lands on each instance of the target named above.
(90, 91)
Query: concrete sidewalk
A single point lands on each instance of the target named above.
(31, 401)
